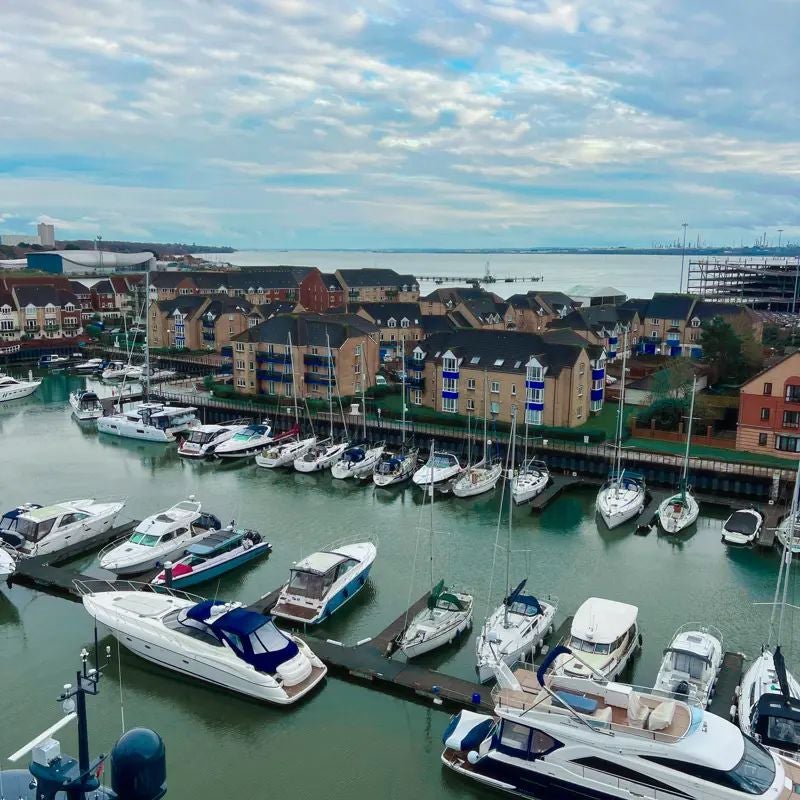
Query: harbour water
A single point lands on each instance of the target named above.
(345, 739)
(636, 276)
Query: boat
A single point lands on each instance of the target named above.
(606, 635)
(203, 440)
(530, 481)
(768, 697)
(52, 360)
(691, 664)
(679, 511)
(151, 422)
(86, 405)
(788, 534)
(621, 498)
(742, 527)
(138, 758)
(151, 375)
(516, 629)
(320, 456)
(437, 470)
(212, 555)
(284, 455)
(8, 563)
(224, 644)
(357, 461)
(481, 477)
(120, 370)
(323, 582)
(14, 389)
(159, 538)
(247, 442)
(564, 738)
(34, 530)
(88, 367)
(623, 495)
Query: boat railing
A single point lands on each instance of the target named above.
(354, 539)
(89, 586)
(111, 545)
(699, 627)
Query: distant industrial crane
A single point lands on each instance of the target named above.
(486, 278)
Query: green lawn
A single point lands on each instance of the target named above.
(703, 451)
(606, 419)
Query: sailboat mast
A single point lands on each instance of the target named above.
(294, 385)
(433, 494)
(146, 306)
(330, 382)
(403, 400)
(621, 413)
(688, 441)
(363, 393)
(485, 423)
(509, 478)
(787, 553)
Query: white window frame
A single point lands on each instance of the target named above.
(494, 387)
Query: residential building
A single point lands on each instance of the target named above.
(47, 234)
(47, 312)
(263, 357)
(526, 313)
(769, 410)
(550, 382)
(335, 290)
(377, 286)
(10, 330)
(397, 322)
(604, 326)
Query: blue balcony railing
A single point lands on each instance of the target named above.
(226, 351)
(320, 380)
(317, 360)
(273, 358)
(272, 375)
(415, 383)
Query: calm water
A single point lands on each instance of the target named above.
(636, 276)
(346, 739)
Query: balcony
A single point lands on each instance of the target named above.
(414, 364)
(272, 375)
(273, 358)
(51, 326)
(208, 336)
(792, 394)
(415, 383)
(319, 380)
(318, 360)
(226, 351)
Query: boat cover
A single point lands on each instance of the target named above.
(389, 466)
(440, 597)
(467, 730)
(354, 454)
(744, 522)
(520, 603)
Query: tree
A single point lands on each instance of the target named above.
(722, 350)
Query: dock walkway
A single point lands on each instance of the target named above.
(730, 676)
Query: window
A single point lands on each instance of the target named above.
(654, 320)
(449, 385)
(449, 363)
(471, 384)
(654, 334)
(416, 397)
(762, 439)
(240, 347)
(6, 325)
(239, 363)
(627, 774)
(241, 383)
(357, 368)
(513, 389)
(494, 387)
(580, 390)
(449, 405)
(787, 444)
(579, 414)
(674, 323)
(499, 362)
(392, 323)
(494, 408)
(793, 394)
(695, 322)
(470, 405)
(475, 360)
(514, 736)
(791, 419)
(404, 323)
(767, 388)
(358, 350)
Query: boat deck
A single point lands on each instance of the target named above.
(792, 769)
(294, 612)
(299, 688)
(386, 642)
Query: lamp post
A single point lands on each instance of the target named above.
(684, 225)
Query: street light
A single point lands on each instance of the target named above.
(684, 225)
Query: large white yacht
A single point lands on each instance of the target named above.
(605, 634)
(14, 389)
(159, 538)
(151, 422)
(438, 469)
(246, 443)
(557, 737)
(40, 530)
(203, 440)
(221, 643)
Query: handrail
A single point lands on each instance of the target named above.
(90, 586)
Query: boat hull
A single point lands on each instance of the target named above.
(343, 471)
(321, 463)
(469, 485)
(18, 391)
(675, 523)
(460, 623)
(201, 574)
(617, 512)
(527, 487)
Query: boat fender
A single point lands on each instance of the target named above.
(345, 593)
(640, 641)
(473, 757)
(247, 543)
(732, 713)
(737, 691)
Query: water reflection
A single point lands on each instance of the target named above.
(9, 613)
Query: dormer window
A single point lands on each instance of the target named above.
(450, 363)
(418, 354)
(534, 370)
(391, 323)
(404, 323)
(695, 322)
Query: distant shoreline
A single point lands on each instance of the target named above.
(754, 252)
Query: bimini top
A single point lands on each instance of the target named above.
(319, 563)
(693, 643)
(354, 454)
(525, 604)
(603, 621)
(10, 516)
(389, 465)
(744, 522)
(218, 540)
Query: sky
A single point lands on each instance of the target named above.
(456, 124)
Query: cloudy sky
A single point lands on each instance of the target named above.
(401, 123)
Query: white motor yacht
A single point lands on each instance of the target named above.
(153, 375)
(224, 644)
(621, 498)
(357, 461)
(742, 527)
(789, 534)
(530, 481)
(438, 469)
(88, 367)
(514, 631)
(40, 530)
(14, 389)
(150, 422)
(246, 443)
(605, 634)
(53, 361)
(395, 467)
(86, 405)
(691, 664)
(203, 440)
(566, 738)
(284, 455)
(158, 539)
(119, 370)
(323, 582)
(447, 616)
(320, 456)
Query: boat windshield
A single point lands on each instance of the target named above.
(201, 437)
(145, 539)
(34, 531)
(250, 432)
(307, 584)
(267, 639)
(442, 461)
(589, 647)
(689, 664)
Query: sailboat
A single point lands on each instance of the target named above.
(518, 626)
(483, 476)
(446, 616)
(397, 466)
(768, 705)
(623, 495)
(533, 475)
(322, 454)
(681, 510)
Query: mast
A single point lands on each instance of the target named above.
(509, 478)
(330, 383)
(688, 443)
(403, 400)
(621, 415)
(363, 391)
(146, 305)
(787, 553)
(485, 423)
(433, 494)
(294, 385)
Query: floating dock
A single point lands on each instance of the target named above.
(557, 485)
(730, 676)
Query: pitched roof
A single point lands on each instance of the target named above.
(308, 329)
(103, 287)
(435, 323)
(555, 300)
(453, 295)
(705, 309)
(670, 306)
(6, 298)
(768, 369)
(222, 304)
(374, 276)
(638, 304)
(272, 278)
(187, 304)
(590, 318)
(276, 307)
(528, 301)
(331, 281)
(38, 296)
(381, 312)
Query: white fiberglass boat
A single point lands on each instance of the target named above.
(477, 479)
(560, 738)
(284, 455)
(246, 443)
(119, 370)
(621, 498)
(357, 461)
(158, 539)
(150, 422)
(88, 367)
(220, 643)
(514, 631)
(40, 530)
(691, 664)
(13, 389)
(53, 361)
(151, 375)
(203, 440)
(438, 469)
(395, 467)
(789, 534)
(86, 405)
(446, 617)
(605, 635)
(742, 527)
(320, 456)
(678, 512)
(530, 481)
(323, 582)
(8, 563)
